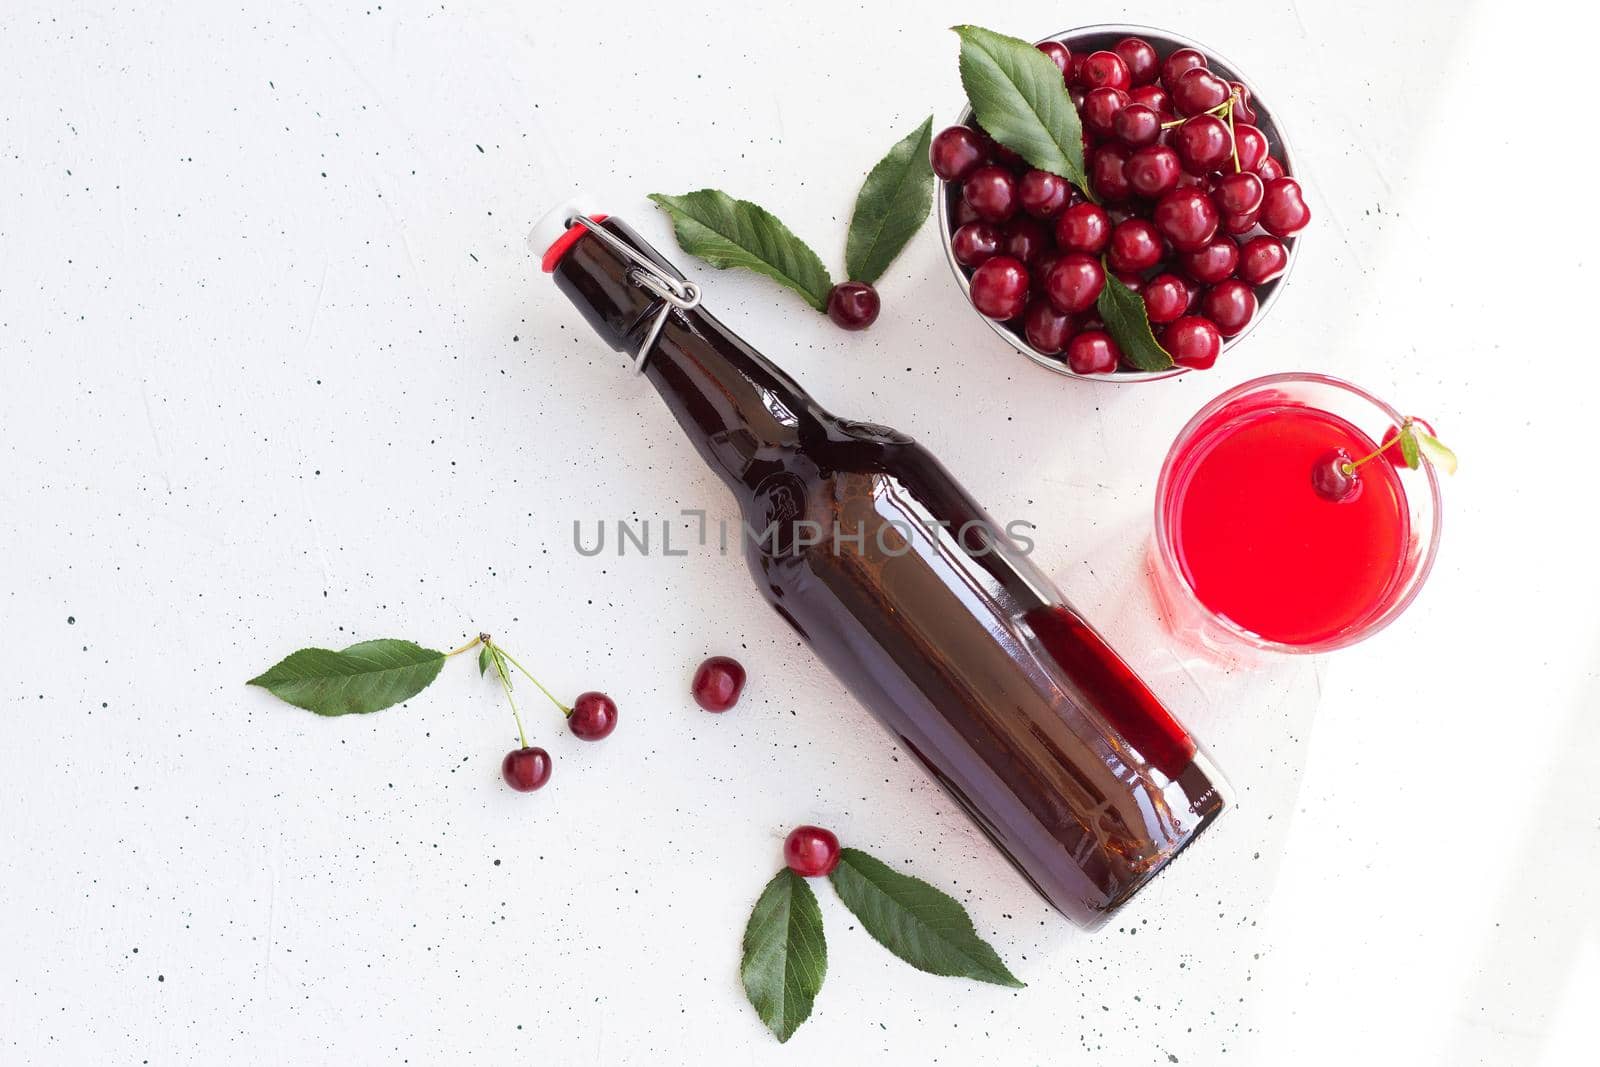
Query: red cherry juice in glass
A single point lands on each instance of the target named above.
(1261, 547)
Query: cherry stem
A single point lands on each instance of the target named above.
(513, 661)
(1223, 110)
(1405, 428)
(481, 639)
(505, 683)
(1233, 138)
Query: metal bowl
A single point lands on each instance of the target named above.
(1094, 38)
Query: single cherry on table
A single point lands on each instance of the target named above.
(811, 851)
(717, 683)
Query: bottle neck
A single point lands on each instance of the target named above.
(732, 402)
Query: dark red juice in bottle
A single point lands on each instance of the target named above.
(912, 595)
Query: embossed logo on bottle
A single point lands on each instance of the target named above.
(781, 503)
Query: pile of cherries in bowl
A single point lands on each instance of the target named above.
(1191, 208)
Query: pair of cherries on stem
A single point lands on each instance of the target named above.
(591, 717)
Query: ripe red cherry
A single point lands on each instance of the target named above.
(1262, 259)
(1239, 194)
(1047, 329)
(1238, 224)
(1269, 169)
(975, 243)
(1140, 57)
(992, 192)
(594, 715)
(1283, 211)
(1002, 155)
(1093, 352)
(1104, 69)
(1153, 171)
(956, 152)
(853, 305)
(1333, 480)
(1074, 283)
(1043, 194)
(1130, 279)
(1135, 246)
(526, 769)
(1187, 218)
(1192, 342)
(1059, 55)
(1106, 174)
(717, 683)
(1153, 97)
(999, 288)
(1100, 110)
(1252, 144)
(1166, 297)
(1397, 456)
(1179, 63)
(811, 851)
(1203, 143)
(1083, 228)
(1197, 90)
(1039, 268)
(1136, 126)
(1025, 239)
(961, 213)
(1211, 264)
(1243, 109)
(1231, 304)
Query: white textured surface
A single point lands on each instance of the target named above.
(277, 369)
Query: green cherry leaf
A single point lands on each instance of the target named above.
(485, 661)
(1408, 446)
(1018, 96)
(1123, 312)
(726, 233)
(892, 206)
(785, 956)
(922, 925)
(369, 676)
(1436, 452)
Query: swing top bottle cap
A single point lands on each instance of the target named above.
(551, 236)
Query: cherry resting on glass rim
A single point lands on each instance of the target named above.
(526, 769)
(718, 681)
(811, 851)
(1332, 479)
(594, 716)
(853, 305)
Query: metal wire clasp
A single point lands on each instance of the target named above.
(675, 294)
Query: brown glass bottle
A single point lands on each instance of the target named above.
(914, 597)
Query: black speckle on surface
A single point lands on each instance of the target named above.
(72, 620)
